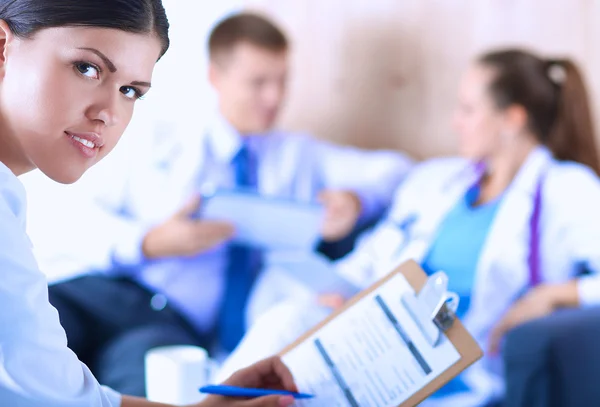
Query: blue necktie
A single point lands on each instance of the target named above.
(244, 261)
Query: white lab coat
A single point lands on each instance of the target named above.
(36, 367)
(103, 218)
(570, 236)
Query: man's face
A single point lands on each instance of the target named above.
(251, 83)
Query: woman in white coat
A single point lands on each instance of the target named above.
(70, 74)
(515, 222)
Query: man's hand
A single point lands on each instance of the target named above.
(342, 210)
(268, 374)
(181, 235)
(331, 300)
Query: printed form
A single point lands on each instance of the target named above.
(372, 355)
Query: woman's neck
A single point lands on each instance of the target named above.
(502, 168)
(12, 155)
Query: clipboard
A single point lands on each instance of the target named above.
(444, 321)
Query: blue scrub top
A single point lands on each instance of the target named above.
(456, 251)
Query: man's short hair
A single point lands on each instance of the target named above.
(245, 27)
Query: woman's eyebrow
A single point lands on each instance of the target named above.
(111, 67)
(142, 83)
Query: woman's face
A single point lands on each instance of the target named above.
(67, 94)
(477, 121)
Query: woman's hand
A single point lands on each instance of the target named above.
(268, 374)
(538, 302)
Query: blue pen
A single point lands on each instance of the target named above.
(233, 391)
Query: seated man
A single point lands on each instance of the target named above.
(155, 274)
(514, 223)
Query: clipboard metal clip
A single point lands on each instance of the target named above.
(434, 308)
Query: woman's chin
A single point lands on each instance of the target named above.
(64, 175)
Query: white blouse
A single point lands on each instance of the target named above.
(36, 367)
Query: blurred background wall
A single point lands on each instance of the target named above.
(383, 73)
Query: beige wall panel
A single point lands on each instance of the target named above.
(384, 73)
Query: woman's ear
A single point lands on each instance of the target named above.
(515, 119)
(6, 37)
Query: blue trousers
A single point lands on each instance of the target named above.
(554, 361)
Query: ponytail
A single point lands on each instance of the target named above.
(554, 96)
(572, 135)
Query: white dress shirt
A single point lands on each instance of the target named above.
(36, 367)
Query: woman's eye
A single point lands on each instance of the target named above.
(131, 92)
(88, 70)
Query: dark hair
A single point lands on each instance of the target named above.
(26, 17)
(554, 96)
(245, 27)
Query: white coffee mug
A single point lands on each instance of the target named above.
(175, 373)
